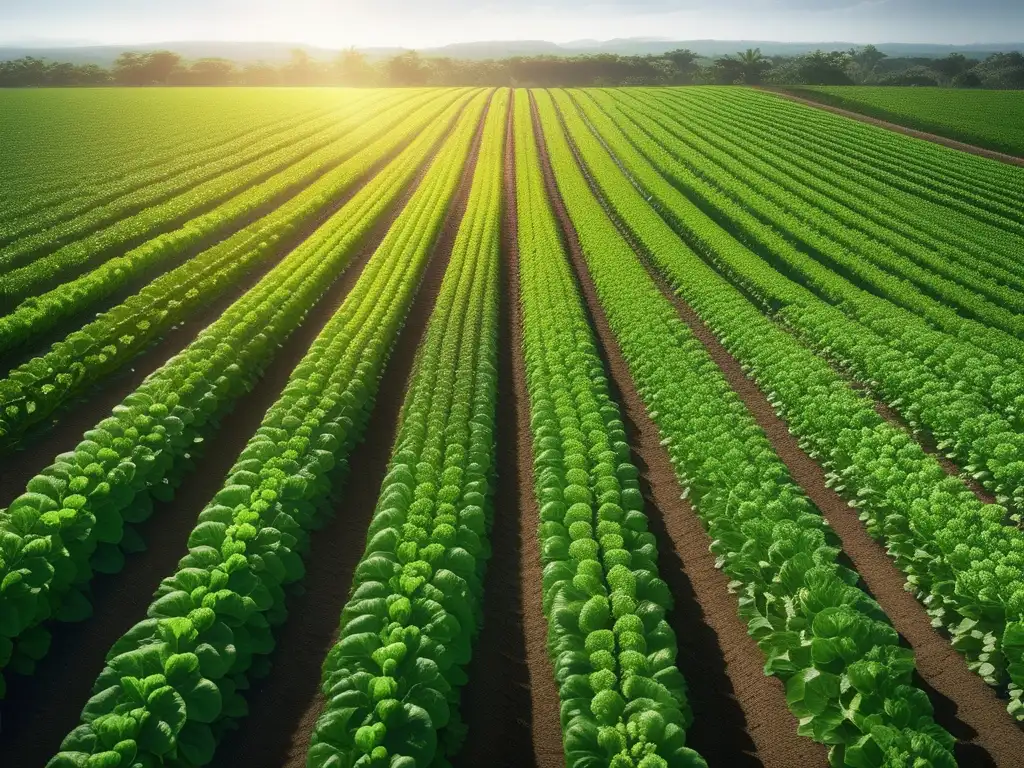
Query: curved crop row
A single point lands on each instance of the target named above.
(847, 679)
(767, 119)
(35, 389)
(391, 682)
(205, 210)
(897, 268)
(72, 518)
(961, 560)
(171, 684)
(967, 399)
(624, 701)
(78, 139)
(126, 196)
(978, 117)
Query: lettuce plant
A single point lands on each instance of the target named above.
(174, 682)
(847, 679)
(71, 520)
(623, 698)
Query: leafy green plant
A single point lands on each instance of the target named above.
(183, 670)
(847, 679)
(623, 699)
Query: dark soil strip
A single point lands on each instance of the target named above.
(964, 704)
(40, 710)
(513, 723)
(284, 707)
(932, 137)
(64, 431)
(740, 715)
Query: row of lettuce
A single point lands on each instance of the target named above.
(392, 681)
(123, 196)
(72, 519)
(958, 379)
(964, 559)
(82, 149)
(848, 681)
(623, 700)
(88, 355)
(170, 687)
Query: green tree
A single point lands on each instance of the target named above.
(406, 69)
(351, 67)
(747, 67)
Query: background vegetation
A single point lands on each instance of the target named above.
(864, 66)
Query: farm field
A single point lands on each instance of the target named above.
(652, 427)
(990, 119)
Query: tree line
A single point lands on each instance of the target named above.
(865, 65)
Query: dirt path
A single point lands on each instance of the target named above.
(514, 724)
(964, 704)
(284, 707)
(932, 137)
(47, 705)
(740, 715)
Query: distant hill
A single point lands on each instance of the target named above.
(276, 52)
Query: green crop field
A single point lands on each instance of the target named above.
(989, 119)
(625, 428)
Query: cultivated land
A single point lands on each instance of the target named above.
(394, 428)
(990, 119)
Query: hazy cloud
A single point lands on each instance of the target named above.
(434, 22)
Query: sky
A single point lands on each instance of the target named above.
(428, 23)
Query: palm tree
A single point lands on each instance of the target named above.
(753, 64)
(747, 67)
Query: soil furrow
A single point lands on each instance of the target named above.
(47, 704)
(932, 137)
(740, 715)
(514, 724)
(284, 707)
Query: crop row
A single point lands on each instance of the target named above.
(69, 144)
(210, 625)
(901, 269)
(38, 264)
(961, 560)
(72, 519)
(623, 700)
(880, 162)
(392, 680)
(136, 191)
(847, 679)
(966, 398)
(36, 388)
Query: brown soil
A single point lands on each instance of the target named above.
(514, 724)
(932, 137)
(740, 715)
(964, 704)
(47, 705)
(284, 707)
